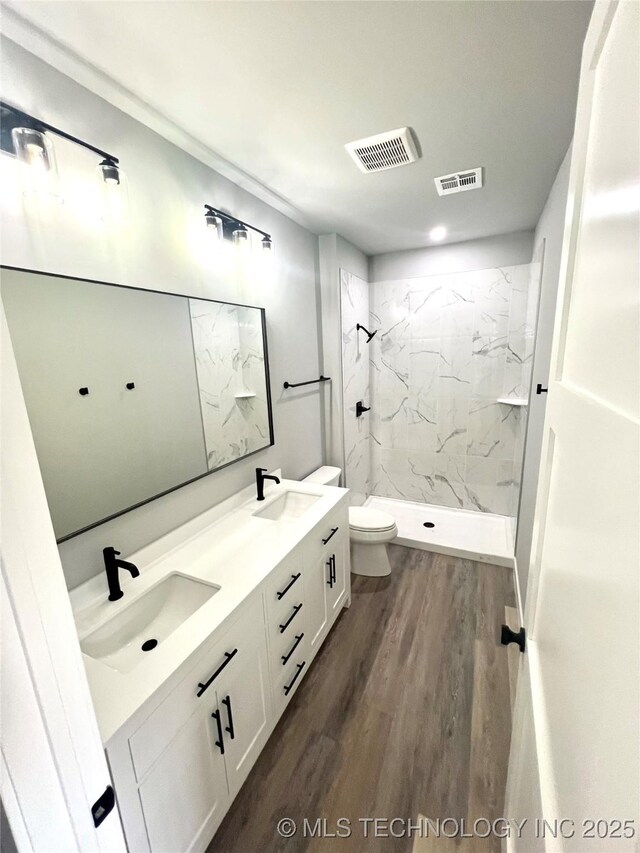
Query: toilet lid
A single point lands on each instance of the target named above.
(366, 518)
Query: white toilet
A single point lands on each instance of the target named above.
(369, 530)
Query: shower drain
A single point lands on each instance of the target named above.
(428, 524)
(148, 645)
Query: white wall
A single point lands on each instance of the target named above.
(550, 229)
(336, 253)
(165, 246)
(487, 253)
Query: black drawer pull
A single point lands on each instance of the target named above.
(286, 657)
(203, 687)
(282, 594)
(227, 702)
(288, 687)
(334, 530)
(220, 741)
(296, 609)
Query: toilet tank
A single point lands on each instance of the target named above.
(327, 475)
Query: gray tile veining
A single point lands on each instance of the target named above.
(447, 347)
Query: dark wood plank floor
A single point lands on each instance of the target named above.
(405, 712)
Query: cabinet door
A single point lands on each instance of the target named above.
(340, 557)
(316, 579)
(185, 794)
(244, 708)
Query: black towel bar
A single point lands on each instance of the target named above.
(310, 382)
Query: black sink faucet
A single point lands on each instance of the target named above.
(112, 565)
(260, 478)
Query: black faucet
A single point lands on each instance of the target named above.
(260, 478)
(112, 564)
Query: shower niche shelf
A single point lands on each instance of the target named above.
(513, 401)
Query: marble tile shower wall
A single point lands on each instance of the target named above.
(447, 347)
(355, 385)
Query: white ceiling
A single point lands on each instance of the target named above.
(278, 88)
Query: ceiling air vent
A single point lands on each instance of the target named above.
(384, 151)
(459, 182)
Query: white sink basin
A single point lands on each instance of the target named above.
(126, 639)
(289, 505)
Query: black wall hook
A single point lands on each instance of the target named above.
(361, 409)
(83, 391)
(369, 334)
(508, 636)
(131, 385)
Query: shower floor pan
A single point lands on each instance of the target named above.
(476, 536)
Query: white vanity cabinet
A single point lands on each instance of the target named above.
(189, 757)
(181, 758)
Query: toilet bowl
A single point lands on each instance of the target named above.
(369, 531)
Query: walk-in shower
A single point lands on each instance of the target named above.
(445, 367)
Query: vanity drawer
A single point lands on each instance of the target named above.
(289, 675)
(327, 535)
(196, 693)
(283, 631)
(284, 586)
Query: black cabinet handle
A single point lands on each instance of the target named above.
(333, 567)
(288, 687)
(220, 741)
(282, 594)
(334, 530)
(227, 702)
(286, 657)
(296, 609)
(228, 656)
(330, 564)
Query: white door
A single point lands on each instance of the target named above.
(53, 765)
(575, 748)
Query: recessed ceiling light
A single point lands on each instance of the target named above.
(438, 233)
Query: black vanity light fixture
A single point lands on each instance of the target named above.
(27, 137)
(230, 228)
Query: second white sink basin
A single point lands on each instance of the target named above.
(289, 505)
(125, 640)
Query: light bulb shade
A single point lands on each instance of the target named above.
(115, 195)
(240, 234)
(35, 151)
(214, 222)
(110, 172)
(267, 243)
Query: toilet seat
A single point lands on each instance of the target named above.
(364, 519)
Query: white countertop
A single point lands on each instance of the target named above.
(227, 546)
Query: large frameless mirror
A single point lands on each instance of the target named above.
(132, 393)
